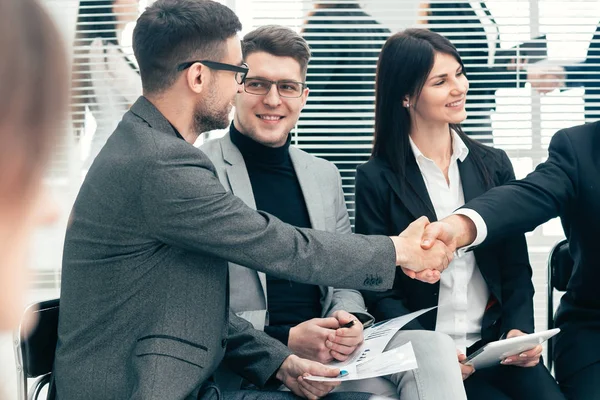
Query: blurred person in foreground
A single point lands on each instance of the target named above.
(144, 310)
(33, 98)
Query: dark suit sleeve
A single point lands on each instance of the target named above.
(586, 73)
(516, 273)
(251, 353)
(371, 219)
(185, 206)
(520, 206)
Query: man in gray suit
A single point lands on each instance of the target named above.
(144, 300)
(255, 161)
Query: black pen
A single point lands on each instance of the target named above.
(349, 324)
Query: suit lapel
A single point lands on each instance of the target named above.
(309, 184)
(312, 193)
(239, 182)
(237, 173)
(412, 191)
(472, 183)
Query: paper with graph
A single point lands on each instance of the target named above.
(369, 360)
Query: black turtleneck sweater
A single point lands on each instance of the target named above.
(277, 191)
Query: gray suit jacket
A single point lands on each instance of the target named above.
(322, 189)
(144, 304)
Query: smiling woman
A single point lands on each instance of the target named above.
(423, 164)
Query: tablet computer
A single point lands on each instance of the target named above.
(493, 353)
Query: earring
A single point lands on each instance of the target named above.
(407, 105)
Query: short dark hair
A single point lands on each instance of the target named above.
(404, 64)
(171, 32)
(279, 41)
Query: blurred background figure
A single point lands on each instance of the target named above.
(471, 27)
(33, 98)
(345, 42)
(105, 79)
(546, 77)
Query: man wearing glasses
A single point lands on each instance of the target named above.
(256, 162)
(144, 308)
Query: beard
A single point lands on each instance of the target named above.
(208, 117)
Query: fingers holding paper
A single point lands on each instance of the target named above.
(294, 369)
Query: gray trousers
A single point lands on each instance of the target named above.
(438, 375)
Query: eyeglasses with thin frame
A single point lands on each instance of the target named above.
(286, 88)
(240, 70)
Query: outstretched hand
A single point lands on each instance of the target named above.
(417, 262)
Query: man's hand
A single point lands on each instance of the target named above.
(344, 341)
(308, 339)
(293, 370)
(465, 370)
(415, 262)
(545, 79)
(454, 231)
(529, 358)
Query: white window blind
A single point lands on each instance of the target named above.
(503, 110)
(337, 122)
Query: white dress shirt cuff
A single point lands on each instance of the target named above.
(480, 227)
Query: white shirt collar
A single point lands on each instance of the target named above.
(460, 151)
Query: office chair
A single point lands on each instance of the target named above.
(560, 267)
(35, 344)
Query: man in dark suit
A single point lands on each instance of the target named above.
(585, 74)
(567, 185)
(144, 302)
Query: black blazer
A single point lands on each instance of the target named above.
(387, 204)
(566, 185)
(587, 74)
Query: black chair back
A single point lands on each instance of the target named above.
(560, 268)
(36, 345)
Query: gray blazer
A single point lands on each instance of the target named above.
(321, 186)
(144, 305)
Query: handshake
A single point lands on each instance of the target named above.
(424, 249)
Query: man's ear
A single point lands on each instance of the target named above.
(196, 77)
(305, 96)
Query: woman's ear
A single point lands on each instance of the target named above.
(406, 102)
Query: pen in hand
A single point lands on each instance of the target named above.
(349, 324)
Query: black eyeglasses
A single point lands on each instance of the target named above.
(285, 88)
(240, 70)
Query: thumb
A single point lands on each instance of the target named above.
(329, 322)
(432, 233)
(417, 226)
(318, 369)
(343, 317)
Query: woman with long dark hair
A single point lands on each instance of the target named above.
(104, 78)
(423, 164)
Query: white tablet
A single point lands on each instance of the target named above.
(493, 353)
